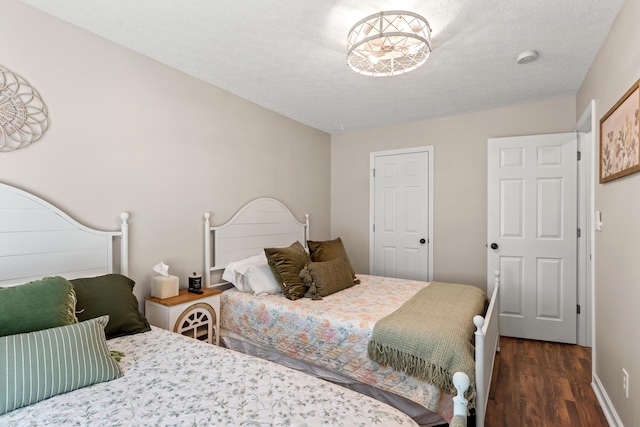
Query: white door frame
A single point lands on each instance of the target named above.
(586, 289)
(372, 162)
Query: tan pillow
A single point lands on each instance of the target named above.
(326, 278)
(328, 250)
(286, 263)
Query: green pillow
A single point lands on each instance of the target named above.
(286, 263)
(42, 304)
(38, 365)
(328, 250)
(111, 294)
(326, 278)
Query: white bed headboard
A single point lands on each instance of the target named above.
(259, 224)
(37, 240)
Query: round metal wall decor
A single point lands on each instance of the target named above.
(23, 115)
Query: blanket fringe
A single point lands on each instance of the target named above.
(419, 368)
(117, 355)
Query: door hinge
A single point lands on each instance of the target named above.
(373, 171)
(374, 228)
(578, 311)
(579, 233)
(579, 156)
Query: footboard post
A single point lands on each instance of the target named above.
(461, 383)
(206, 270)
(496, 285)
(480, 374)
(486, 335)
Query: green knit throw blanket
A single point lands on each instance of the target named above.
(429, 336)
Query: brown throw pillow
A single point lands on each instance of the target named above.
(328, 250)
(286, 263)
(326, 278)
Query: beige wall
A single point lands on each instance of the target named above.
(617, 278)
(460, 189)
(128, 133)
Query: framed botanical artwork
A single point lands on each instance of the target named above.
(620, 137)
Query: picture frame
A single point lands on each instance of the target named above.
(620, 137)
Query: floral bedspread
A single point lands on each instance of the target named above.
(171, 380)
(333, 333)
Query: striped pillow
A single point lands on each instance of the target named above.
(38, 365)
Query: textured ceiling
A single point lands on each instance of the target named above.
(289, 55)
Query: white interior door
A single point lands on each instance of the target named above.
(401, 215)
(532, 234)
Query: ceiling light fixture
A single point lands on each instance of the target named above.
(389, 43)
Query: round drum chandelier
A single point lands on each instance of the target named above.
(389, 43)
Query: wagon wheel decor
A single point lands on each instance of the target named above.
(23, 115)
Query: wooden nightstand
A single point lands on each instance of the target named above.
(193, 315)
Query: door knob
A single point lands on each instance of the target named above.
(494, 246)
(422, 241)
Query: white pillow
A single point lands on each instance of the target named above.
(234, 272)
(260, 279)
(252, 275)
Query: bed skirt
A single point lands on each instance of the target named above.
(418, 413)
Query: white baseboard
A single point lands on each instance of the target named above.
(607, 407)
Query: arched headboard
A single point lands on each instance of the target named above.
(37, 240)
(259, 224)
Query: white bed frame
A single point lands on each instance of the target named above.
(37, 240)
(266, 222)
(260, 224)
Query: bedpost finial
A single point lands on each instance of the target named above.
(124, 216)
(460, 404)
(478, 321)
(207, 216)
(461, 382)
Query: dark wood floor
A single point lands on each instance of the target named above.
(539, 383)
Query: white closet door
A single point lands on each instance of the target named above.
(401, 216)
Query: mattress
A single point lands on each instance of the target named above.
(332, 333)
(173, 380)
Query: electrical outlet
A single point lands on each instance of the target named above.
(625, 382)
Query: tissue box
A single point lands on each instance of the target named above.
(164, 286)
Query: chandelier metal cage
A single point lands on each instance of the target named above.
(389, 43)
